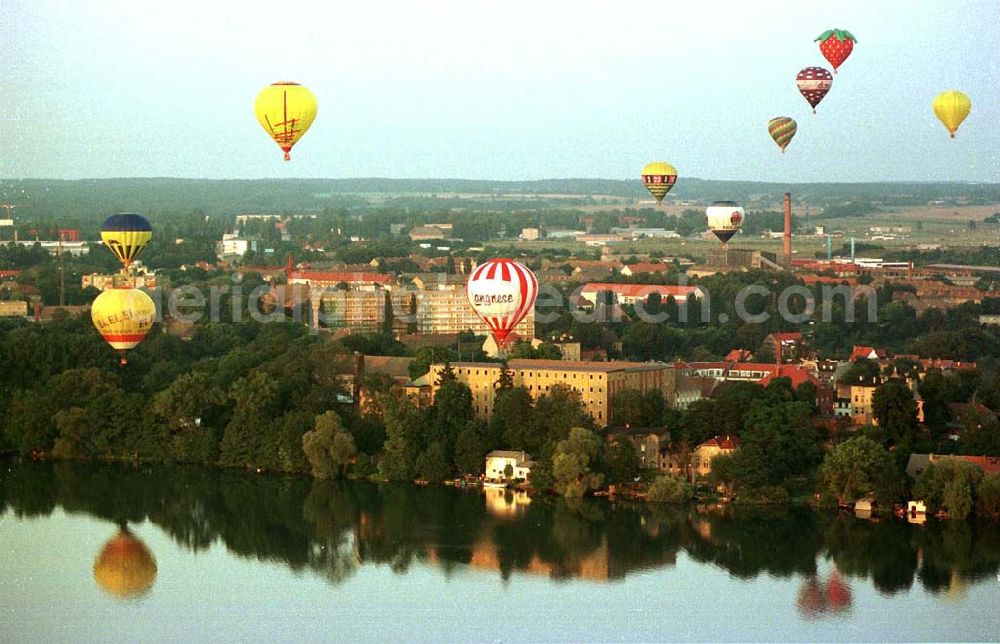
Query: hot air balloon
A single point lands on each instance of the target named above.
(724, 219)
(125, 568)
(126, 235)
(782, 129)
(814, 83)
(123, 317)
(951, 108)
(836, 45)
(285, 111)
(659, 177)
(501, 292)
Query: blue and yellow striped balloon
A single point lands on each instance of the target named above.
(126, 235)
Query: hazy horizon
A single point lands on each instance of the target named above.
(467, 90)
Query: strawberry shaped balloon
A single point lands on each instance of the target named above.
(813, 84)
(836, 45)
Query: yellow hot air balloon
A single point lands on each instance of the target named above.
(951, 108)
(285, 111)
(123, 317)
(659, 177)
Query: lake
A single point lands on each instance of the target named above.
(97, 552)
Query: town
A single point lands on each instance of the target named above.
(654, 364)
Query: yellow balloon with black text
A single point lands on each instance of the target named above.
(123, 317)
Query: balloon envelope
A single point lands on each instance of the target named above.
(951, 108)
(659, 177)
(813, 84)
(126, 235)
(782, 129)
(123, 316)
(836, 45)
(285, 110)
(724, 219)
(501, 292)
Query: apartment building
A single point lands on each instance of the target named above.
(596, 382)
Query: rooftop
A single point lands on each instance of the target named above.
(564, 365)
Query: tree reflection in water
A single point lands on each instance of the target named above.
(333, 527)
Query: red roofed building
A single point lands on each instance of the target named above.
(809, 280)
(867, 353)
(357, 280)
(988, 464)
(9, 274)
(632, 293)
(738, 355)
(704, 454)
(786, 345)
(799, 376)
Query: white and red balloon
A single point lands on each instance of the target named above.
(501, 292)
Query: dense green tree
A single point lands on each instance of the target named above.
(654, 408)
(470, 448)
(949, 484)
(512, 424)
(432, 463)
(555, 413)
(895, 410)
(670, 489)
(574, 461)
(245, 440)
(329, 447)
(402, 444)
(857, 468)
(451, 412)
(626, 408)
(621, 460)
(988, 497)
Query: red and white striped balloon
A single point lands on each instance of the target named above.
(501, 292)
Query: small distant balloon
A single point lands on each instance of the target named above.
(659, 177)
(836, 45)
(285, 110)
(782, 129)
(813, 84)
(951, 108)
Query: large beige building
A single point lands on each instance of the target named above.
(442, 310)
(596, 382)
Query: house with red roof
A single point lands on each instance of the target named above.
(704, 454)
(786, 345)
(738, 355)
(861, 351)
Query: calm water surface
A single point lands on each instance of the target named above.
(100, 552)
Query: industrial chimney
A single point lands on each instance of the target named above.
(788, 230)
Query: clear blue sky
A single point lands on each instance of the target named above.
(514, 90)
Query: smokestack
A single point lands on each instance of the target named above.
(788, 229)
(852, 250)
(829, 247)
